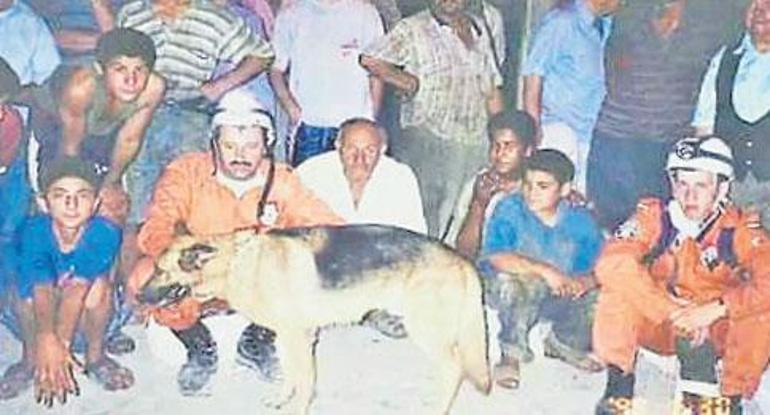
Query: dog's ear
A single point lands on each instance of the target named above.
(194, 257)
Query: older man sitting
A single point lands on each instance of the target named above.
(362, 185)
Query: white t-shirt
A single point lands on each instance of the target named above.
(319, 45)
(391, 197)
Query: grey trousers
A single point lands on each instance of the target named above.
(442, 167)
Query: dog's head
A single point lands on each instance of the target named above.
(191, 266)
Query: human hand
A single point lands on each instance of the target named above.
(690, 321)
(560, 284)
(487, 184)
(54, 370)
(295, 114)
(113, 202)
(213, 91)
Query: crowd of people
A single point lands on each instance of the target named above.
(628, 202)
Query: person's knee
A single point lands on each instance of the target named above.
(139, 276)
(99, 295)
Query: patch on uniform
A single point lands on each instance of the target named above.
(269, 215)
(710, 257)
(628, 230)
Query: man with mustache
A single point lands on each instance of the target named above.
(734, 103)
(235, 186)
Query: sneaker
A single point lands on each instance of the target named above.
(618, 394)
(256, 350)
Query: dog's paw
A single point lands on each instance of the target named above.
(280, 400)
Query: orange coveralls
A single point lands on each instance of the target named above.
(634, 303)
(188, 194)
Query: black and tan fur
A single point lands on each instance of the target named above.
(296, 281)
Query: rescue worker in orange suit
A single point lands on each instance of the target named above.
(691, 277)
(236, 186)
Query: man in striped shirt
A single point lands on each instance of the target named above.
(191, 37)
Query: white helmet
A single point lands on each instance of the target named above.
(709, 154)
(239, 108)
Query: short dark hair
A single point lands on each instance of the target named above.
(125, 42)
(553, 162)
(521, 123)
(10, 85)
(68, 166)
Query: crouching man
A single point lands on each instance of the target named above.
(537, 255)
(63, 292)
(691, 277)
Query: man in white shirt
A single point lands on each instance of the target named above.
(362, 185)
(316, 75)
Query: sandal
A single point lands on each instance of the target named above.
(16, 379)
(110, 374)
(507, 373)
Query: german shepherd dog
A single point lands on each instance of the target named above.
(299, 280)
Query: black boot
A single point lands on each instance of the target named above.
(201, 358)
(256, 350)
(618, 394)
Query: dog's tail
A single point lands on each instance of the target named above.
(472, 336)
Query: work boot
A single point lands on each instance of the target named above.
(201, 359)
(618, 394)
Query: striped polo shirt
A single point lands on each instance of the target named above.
(190, 47)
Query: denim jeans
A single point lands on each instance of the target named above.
(174, 131)
(15, 199)
(312, 141)
(522, 301)
(622, 170)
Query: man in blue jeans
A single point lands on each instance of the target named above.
(537, 257)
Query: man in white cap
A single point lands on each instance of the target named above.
(235, 186)
(685, 277)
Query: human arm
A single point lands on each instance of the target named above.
(103, 13)
(532, 97)
(285, 97)
(54, 363)
(299, 206)
(250, 53)
(705, 112)
(170, 206)
(131, 134)
(468, 239)
(78, 94)
(405, 82)
(388, 56)
(514, 263)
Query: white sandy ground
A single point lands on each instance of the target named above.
(360, 372)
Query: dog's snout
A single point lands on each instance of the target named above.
(163, 296)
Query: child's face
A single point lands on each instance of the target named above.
(70, 201)
(542, 192)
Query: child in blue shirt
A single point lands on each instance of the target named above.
(537, 256)
(65, 257)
